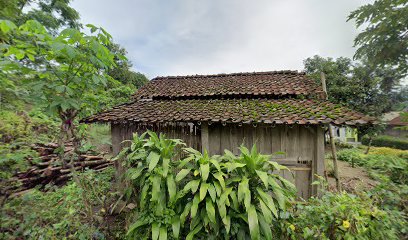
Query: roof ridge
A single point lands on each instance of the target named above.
(292, 72)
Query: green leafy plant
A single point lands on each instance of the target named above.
(202, 196)
(62, 72)
(342, 216)
(387, 141)
(379, 164)
(59, 212)
(150, 170)
(262, 194)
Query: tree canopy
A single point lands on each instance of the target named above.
(359, 86)
(52, 14)
(384, 40)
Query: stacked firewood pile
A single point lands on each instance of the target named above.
(49, 168)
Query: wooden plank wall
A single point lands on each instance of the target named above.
(303, 147)
(298, 143)
(190, 133)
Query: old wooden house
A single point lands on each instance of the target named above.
(280, 111)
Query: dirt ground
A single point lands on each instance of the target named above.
(352, 179)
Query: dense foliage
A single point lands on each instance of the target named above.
(203, 196)
(362, 87)
(53, 14)
(387, 141)
(381, 163)
(344, 216)
(59, 213)
(384, 40)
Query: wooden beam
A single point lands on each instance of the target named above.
(205, 145)
(332, 143)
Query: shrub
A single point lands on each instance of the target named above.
(378, 164)
(394, 167)
(13, 126)
(56, 214)
(389, 151)
(387, 141)
(202, 196)
(352, 156)
(342, 216)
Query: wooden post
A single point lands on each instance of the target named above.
(332, 143)
(205, 144)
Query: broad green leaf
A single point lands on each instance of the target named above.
(203, 190)
(171, 185)
(278, 193)
(234, 165)
(211, 191)
(222, 210)
(277, 166)
(205, 170)
(153, 158)
(242, 187)
(143, 195)
(253, 223)
(267, 199)
(263, 176)
(234, 199)
(156, 189)
(185, 212)
(135, 174)
(192, 185)
(210, 210)
(175, 225)
(220, 179)
(224, 195)
(227, 223)
(166, 163)
(217, 187)
(136, 225)
(7, 26)
(155, 230)
(163, 233)
(182, 174)
(20, 55)
(266, 212)
(194, 207)
(190, 235)
(216, 164)
(265, 228)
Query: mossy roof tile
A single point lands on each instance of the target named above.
(286, 111)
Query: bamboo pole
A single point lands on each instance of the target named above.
(332, 143)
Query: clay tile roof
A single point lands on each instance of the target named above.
(274, 83)
(279, 111)
(397, 121)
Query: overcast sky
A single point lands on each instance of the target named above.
(182, 37)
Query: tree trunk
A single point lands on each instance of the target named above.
(335, 167)
(370, 139)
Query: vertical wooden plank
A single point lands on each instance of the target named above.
(115, 133)
(214, 139)
(248, 136)
(225, 134)
(264, 140)
(235, 139)
(275, 133)
(204, 137)
(319, 165)
(303, 183)
(306, 140)
(292, 141)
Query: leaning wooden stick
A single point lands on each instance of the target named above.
(332, 143)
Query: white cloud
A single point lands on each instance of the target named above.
(189, 37)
